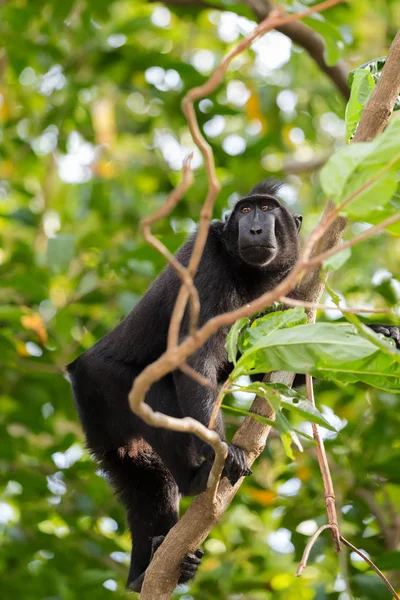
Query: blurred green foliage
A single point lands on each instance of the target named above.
(91, 139)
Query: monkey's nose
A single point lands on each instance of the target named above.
(256, 230)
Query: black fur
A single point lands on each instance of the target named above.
(149, 468)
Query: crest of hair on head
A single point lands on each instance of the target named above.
(266, 187)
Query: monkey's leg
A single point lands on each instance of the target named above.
(150, 496)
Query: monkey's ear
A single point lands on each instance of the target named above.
(298, 219)
(225, 216)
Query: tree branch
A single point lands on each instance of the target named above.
(311, 41)
(299, 33)
(379, 107)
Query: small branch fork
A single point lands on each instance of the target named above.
(162, 575)
(337, 534)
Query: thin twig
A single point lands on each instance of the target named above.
(305, 37)
(174, 197)
(316, 260)
(372, 565)
(329, 491)
(223, 390)
(188, 370)
(308, 548)
(313, 539)
(316, 306)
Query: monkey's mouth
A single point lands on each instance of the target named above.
(258, 247)
(257, 254)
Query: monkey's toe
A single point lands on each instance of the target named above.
(190, 565)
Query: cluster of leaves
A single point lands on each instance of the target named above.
(362, 82)
(91, 139)
(283, 341)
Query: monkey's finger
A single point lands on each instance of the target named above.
(192, 558)
(199, 553)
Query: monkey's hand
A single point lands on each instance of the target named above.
(389, 331)
(235, 463)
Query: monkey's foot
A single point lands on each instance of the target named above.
(189, 565)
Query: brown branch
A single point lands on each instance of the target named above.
(188, 370)
(315, 536)
(308, 548)
(315, 306)
(172, 200)
(359, 238)
(329, 491)
(379, 107)
(311, 41)
(299, 33)
(312, 286)
(372, 565)
(224, 388)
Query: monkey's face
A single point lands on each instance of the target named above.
(267, 233)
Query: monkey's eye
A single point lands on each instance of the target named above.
(265, 207)
(245, 209)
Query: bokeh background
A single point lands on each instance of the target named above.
(92, 139)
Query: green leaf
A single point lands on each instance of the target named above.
(375, 67)
(302, 347)
(375, 163)
(290, 399)
(288, 435)
(268, 324)
(362, 83)
(326, 350)
(231, 344)
(380, 214)
(247, 413)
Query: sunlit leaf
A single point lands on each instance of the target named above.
(326, 350)
(362, 83)
(371, 164)
(291, 399)
(231, 344)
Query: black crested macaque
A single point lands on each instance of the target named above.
(149, 468)
(248, 254)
